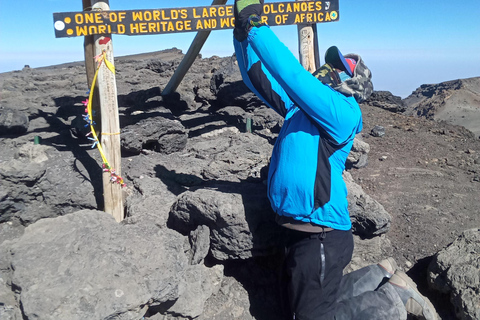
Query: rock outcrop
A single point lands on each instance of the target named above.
(154, 133)
(86, 266)
(13, 122)
(456, 271)
(456, 102)
(386, 100)
(369, 218)
(40, 182)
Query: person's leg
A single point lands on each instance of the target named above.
(366, 279)
(314, 266)
(385, 303)
(393, 300)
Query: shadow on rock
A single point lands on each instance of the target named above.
(65, 142)
(441, 302)
(244, 236)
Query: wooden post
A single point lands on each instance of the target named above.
(90, 68)
(110, 137)
(306, 41)
(89, 48)
(190, 57)
(316, 46)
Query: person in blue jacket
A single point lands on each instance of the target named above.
(305, 185)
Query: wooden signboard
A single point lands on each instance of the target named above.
(189, 19)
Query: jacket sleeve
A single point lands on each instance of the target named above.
(338, 115)
(259, 80)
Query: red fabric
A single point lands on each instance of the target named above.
(352, 63)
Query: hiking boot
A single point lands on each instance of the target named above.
(247, 15)
(389, 266)
(415, 303)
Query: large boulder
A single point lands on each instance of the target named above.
(41, 182)
(86, 266)
(239, 218)
(155, 133)
(13, 122)
(386, 100)
(456, 271)
(369, 217)
(358, 156)
(241, 223)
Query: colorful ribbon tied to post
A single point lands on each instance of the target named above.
(88, 117)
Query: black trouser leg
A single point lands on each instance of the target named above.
(314, 266)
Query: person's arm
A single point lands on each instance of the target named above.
(259, 80)
(338, 115)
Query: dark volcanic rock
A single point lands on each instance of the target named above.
(40, 182)
(386, 100)
(155, 133)
(228, 86)
(456, 271)
(456, 102)
(13, 122)
(378, 131)
(369, 217)
(240, 220)
(86, 258)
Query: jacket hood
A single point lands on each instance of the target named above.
(359, 86)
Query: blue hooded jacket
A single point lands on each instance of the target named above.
(305, 176)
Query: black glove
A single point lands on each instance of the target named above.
(247, 15)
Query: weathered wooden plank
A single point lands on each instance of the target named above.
(110, 137)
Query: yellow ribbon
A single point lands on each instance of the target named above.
(110, 67)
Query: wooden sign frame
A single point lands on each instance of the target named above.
(187, 19)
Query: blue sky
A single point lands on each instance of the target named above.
(405, 43)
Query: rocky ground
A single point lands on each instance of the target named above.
(196, 200)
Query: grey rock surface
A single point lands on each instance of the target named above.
(386, 100)
(369, 217)
(13, 122)
(86, 266)
(358, 157)
(9, 308)
(40, 182)
(154, 133)
(370, 251)
(456, 271)
(200, 244)
(196, 286)
(240, 220)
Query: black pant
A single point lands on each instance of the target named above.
(313, 269)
